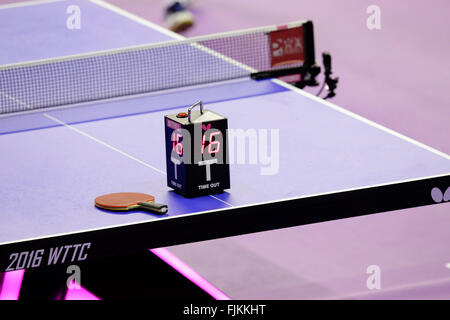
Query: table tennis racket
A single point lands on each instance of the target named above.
(125, 201)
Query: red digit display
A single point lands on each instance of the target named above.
(203, 143)
(176, 143)
(213, 145)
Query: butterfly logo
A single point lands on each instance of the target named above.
(438, 196)
(206, 127)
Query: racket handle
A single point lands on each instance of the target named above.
(154, 207)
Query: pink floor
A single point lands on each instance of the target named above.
(397, 76)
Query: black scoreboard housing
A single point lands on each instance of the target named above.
(196, 172)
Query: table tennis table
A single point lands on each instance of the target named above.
(333, 164)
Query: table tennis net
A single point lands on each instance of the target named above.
(136, 70)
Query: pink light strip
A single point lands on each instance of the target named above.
(80, 294)
(12, 281)
(173, 261)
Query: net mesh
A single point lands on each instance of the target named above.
(137, 70)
